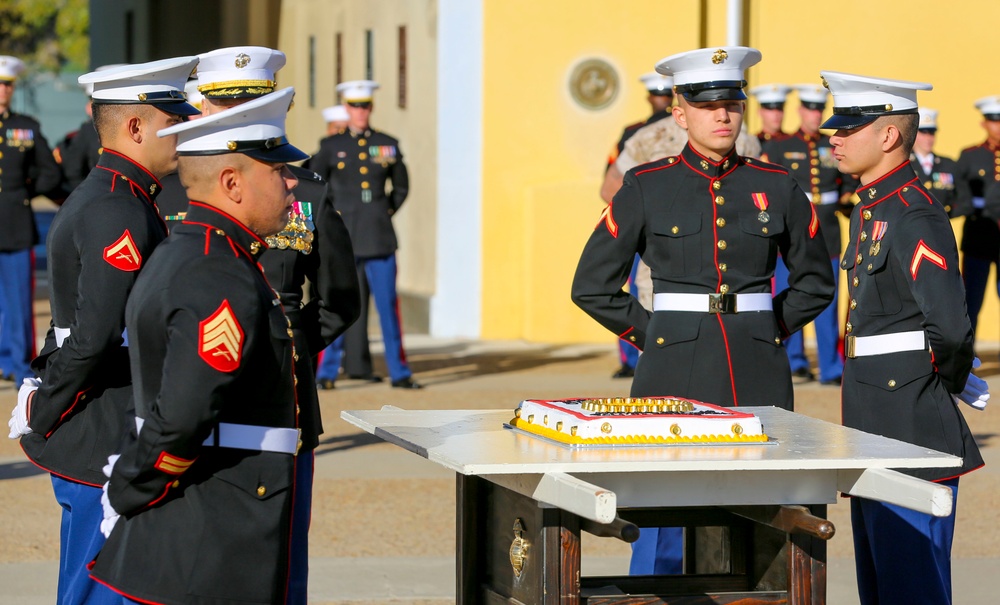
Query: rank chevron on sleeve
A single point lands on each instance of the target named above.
(609, 221)
(123, 254)
(220, 339)
(924, 251)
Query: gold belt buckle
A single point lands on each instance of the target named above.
(721, 303)
(298, 444)
(849, 344)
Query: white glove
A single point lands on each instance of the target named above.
(18, 422)
(976, 392)
(110, 514)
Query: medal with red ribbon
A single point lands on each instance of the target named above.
(760, 200)
(878, 232)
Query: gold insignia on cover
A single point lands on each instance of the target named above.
(242, 60)
(518, 549)
(719, 56)
(826, 84)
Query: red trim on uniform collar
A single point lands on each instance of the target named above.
(230, 217)
(138, 165)
(883, 177)
(732, 153)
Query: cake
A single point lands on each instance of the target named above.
(636, 421)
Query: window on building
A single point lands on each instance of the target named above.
(312, 71)
(338, 62)
(369, 54)
(402, 67)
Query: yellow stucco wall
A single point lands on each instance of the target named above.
(543, 154)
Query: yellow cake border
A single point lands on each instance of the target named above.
(633, 439)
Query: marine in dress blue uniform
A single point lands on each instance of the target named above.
(771, 108)
(27, 169)
(660, 96)
(98, 243)
(710, 224)
(199, 504)
(359, 163)
(939, 174)
(909, 343)
(313, 247)
(809, 159)
(979, 171)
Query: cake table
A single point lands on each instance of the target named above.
(522, 502)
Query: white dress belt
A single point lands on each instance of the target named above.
(864, 346)
(249, 437)
(827, 197)
(978, 202)
(712, 303)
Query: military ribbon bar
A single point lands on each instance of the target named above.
(878, 230)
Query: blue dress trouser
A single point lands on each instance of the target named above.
(658, 551)
(827, 326)
(377, 278)
(975, 274)
(298, 577)
(17, 330)
(627, 352)
(80, 540)
(902, 556)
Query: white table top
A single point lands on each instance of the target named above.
(475, 442)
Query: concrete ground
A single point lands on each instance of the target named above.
(384, 522)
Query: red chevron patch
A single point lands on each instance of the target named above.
(123, 254)
(924, 251)
(220, 339)
(609, 221)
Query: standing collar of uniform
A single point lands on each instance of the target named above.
(990, 146)
(140, 180)
(887, 184)
(211, 217)
(6, 114)
(367, 132)
(709, 168)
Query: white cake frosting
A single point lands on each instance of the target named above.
(643, 420)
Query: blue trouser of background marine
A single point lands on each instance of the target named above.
(17, 330)
(902, 556)
(627, 352)
(827, 326)
(80, 540)
(975, 274)
(377, 278)
(658, 551)
(298, 575)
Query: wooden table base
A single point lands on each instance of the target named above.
(770, 554)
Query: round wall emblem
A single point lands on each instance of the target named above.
(593, 83)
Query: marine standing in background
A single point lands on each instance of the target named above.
(909, 343)
(938, 173)
(27, 169)
(809, 159)
(661, 99)
(198, 507)
(359, 163)
(771, 100)
(77, 414)
(314, 246)
(709, 223)
(979, 171)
